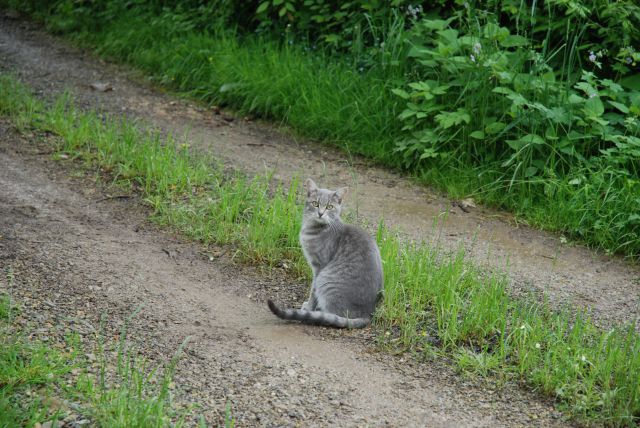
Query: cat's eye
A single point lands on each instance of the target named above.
(315, 203)
(329, 207)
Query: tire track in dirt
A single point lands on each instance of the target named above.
(536, 260)
(68, 244)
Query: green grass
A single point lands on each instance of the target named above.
(35, 376)
(136, 395)
(328, 98)
(434, 303)
(257, 77)
(26, 366)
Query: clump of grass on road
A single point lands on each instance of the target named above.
(37, 378)
(24, 366)
(434, 303)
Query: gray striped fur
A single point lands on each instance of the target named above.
(346, 265)
(318, 317)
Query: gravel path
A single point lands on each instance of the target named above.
(76, 254)
(536, 260)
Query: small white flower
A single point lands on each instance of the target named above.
(592, 56)
(414, 11)
(583, 358)
(477, 47)
(473, 58)
(537, 346)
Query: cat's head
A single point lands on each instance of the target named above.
(323, 205)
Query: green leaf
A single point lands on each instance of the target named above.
(533, 139)
(525, 141)
(586, 87)
(420, 52)
(530, 171)
(478, 135)
(447, 119)
(282, 11)
(550, 133)
(401, 93)
(575, 99)
(634, 218)
(515, 144)
(263, 7)
(502, 90)
(512, 41)
(435, 24)
(426, 136)
(450, 36)
(332, 38)
(406, 114)
(558, 115)
(631, 82)
(518, 99)
(623, 108)
(277, 2)
(594, 107)
(420, 86)
(494, 127)
(440, 90)
(428, 153)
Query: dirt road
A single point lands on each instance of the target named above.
(568, 273)
(83, 255)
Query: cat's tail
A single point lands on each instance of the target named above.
(318, 317)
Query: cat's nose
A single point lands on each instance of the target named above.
(320, 213)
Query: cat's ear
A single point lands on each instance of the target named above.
(341, 193)
(310, 186)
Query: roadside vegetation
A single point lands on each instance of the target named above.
(435, 304)
(51, 378)
(533, 108)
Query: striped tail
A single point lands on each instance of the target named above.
(318, 317)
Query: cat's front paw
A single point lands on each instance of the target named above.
(305, 306)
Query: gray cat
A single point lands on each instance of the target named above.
(347, 270)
